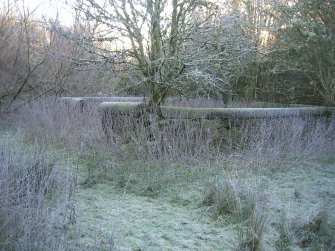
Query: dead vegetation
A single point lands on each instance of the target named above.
(235, 178)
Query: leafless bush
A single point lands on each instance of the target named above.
(34, 197)
(36, 59)
(24, 51)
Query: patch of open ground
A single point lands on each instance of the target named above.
(120, 219)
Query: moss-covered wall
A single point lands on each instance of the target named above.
(171, 112)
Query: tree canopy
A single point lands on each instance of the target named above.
(262, 50)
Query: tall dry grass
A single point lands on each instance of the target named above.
(264, 144)
(277, 142)
(62, 124)
(166, 140)
(35, 196)
(254, 142)
(272, 141)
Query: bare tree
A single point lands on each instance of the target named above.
(31, 64)
(148, 38)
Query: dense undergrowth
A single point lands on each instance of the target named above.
(36, 196)
(51, 151)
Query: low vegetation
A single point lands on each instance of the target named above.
(180, 184)
(36, 196)
(164, 167)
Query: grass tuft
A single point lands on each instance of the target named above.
(231, 198)
(315, 232)
(250, 236)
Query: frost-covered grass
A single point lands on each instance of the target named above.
(131, 216)
(36, 195)
(172, 185)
